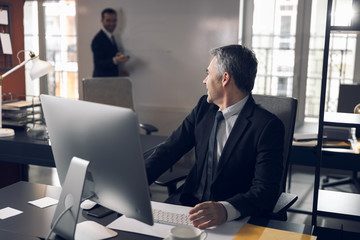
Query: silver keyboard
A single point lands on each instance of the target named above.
(170, 218)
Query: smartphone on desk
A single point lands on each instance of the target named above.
(99, 211)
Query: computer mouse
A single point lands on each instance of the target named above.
(87, 204)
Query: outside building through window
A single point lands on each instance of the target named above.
(56, 28)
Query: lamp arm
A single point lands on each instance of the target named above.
(17, 67)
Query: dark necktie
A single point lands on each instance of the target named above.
(113, 41)
(211, 156)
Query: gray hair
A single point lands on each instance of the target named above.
(240, 62)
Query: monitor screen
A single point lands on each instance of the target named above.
(107, 137)
(349, 97)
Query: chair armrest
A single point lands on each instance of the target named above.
(148, 128)
(170, 178)
(284, 202)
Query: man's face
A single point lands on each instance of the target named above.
(213, 83)
(109, 22)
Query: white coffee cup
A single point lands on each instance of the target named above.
(183, 232)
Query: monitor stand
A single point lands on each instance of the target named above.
(66, 214)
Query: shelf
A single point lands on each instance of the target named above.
(339, 204)
(341, 119)
(345, 29)
(19, 113)
(332, 203)
(17, 105)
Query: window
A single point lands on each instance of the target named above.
(56, 29)
(288, 39)
(341, 57)
(273, 41)
(31, 42)
(286, 35)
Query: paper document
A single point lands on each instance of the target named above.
(44, 202)
(6, 43)
(253, 232)
(225, 231)
(17, 104)
(8, 212)
(4, 17)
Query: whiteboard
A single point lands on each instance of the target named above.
(168, 42)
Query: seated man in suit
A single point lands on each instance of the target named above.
(107, 57)
(238, 169)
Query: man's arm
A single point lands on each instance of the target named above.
(101, 56)
(264, 190)
(175, 146)
(101, 60)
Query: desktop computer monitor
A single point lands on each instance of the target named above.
(349, 97)
(107, 137)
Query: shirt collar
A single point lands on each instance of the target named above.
(235, 109)
(108, 34)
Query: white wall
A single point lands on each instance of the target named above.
(169, 43)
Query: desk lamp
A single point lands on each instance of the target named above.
(357, 109)
(39, 69)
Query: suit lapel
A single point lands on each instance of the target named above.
(236, 134)
(110, 43)
(205, 137)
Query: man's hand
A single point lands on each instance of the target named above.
(208, 214)
(121, 58)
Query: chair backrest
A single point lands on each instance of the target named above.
(115, 91)
(285, 109)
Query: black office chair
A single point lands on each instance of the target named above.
(349, 97)
(285, 109)
(115, 91)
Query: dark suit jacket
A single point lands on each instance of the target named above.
(103, 52)
(250, 166)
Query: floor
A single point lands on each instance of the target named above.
(301, 184)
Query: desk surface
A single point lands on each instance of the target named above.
(15, 236)
(35, 221)
(26, 149)
(306, 155)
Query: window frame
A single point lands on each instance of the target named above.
(303, 25)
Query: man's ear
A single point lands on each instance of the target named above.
(225, 79)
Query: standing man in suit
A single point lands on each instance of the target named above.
(106, 55)
(247, 161)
